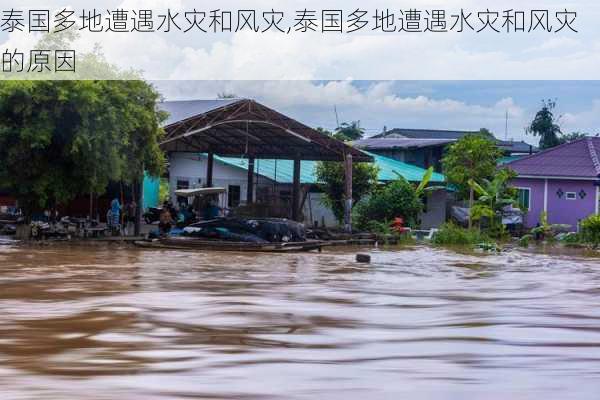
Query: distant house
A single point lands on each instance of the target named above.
(563, 181)
(425, 147)
(274, 178)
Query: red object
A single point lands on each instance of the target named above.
(398, 225)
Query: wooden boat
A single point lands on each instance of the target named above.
(186, 243)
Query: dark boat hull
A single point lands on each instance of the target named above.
(216, 245)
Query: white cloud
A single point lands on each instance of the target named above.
(374, 103)
(366, 55)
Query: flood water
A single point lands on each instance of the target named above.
(110, 322)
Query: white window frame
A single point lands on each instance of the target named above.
(528, 197)
(572, 193)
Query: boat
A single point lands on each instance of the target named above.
(187, 243)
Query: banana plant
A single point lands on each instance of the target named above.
(493, 196)
(422, 188)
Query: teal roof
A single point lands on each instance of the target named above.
(282, 171)
(388, 167)
(507, 159)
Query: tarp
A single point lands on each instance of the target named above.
(199, 191)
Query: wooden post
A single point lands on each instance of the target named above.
(348, 200)
(471, 200)
(209, 169)
(296, 191)
(250, 188)
(139, 200)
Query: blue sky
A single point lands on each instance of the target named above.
(467, 105)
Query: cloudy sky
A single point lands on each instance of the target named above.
(421, 80)
(467, 105)
(365, 54)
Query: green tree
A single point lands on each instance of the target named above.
(590, 230)
(349, 131)
(397, 199)
(331, 176)
(61, 139)
(545, 125)
(571, 137)
(472, 157)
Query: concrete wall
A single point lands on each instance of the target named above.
(435, 212)
(192, 167)
(560, 209)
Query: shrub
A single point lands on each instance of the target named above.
(451, 234)
(590, 230)
(398, 199)
(525, 240)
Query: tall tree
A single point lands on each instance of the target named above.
(545, 125)
(349, 131)
(331, 176)
(61, 139)
(472, 157)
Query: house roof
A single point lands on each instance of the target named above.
(422, 134)
(282, 170)
(401, 138)
(399, 143)
(512, 146)
(507, 159)
(182, 110)
(244, 127)
(578, 159)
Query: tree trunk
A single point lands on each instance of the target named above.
(471, 198)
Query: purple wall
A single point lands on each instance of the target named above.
(560, 210)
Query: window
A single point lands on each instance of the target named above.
(571, 195)
(524, 198)
(233, 196)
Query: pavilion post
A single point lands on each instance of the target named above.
(209, 169)
(348, 199)
(139, 199)
(296, 191)
(250, 188)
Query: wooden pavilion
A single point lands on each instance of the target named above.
(246, 128)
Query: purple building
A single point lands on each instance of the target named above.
(563, 181)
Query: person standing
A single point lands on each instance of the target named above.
(115, 211)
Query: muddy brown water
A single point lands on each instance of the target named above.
(112, 322)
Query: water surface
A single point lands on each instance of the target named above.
(110, 322)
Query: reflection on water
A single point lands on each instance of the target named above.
(102, 322)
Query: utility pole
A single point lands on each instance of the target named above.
(506, 127)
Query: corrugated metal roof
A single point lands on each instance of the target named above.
(423, 134)
(399, 143)
(517, 147)
(283, 170)
(507, 159)
(576, 159)
(404, 138)
(180, 110)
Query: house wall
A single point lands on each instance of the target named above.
(559, 209)
(192, 168)
(563, 211)
(435, 212)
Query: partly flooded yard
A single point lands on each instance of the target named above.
(113, 322)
